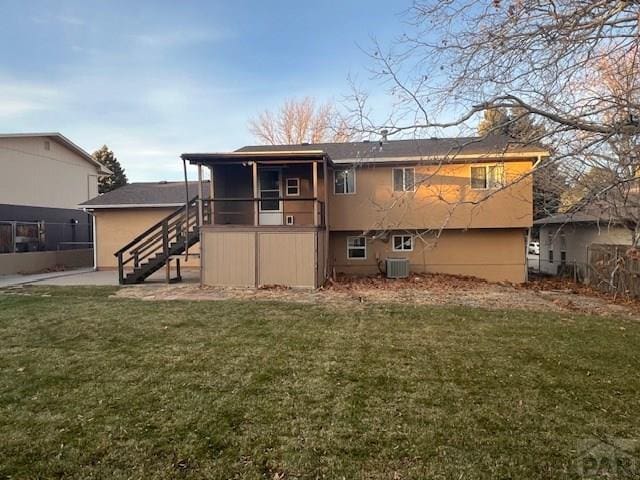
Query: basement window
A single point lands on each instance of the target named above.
(357, 248)
(402, 243)
(487, 176)
(404, 179)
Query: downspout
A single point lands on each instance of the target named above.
(186, 206)
(528, 240)
(95, 239)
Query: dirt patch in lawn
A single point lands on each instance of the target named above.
(429, 289)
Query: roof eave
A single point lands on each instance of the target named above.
(130, 205)
(213, 157)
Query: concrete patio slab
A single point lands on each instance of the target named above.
(87, 277)
(17, 279)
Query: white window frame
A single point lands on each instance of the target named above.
(404, 186)
(296, 185)
(393, 243)
(349, 257)
(486, 176)
(354, 181)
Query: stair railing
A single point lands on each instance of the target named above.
(158, 238)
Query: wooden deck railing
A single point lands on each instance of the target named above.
(247, 210)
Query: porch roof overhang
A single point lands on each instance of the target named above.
(290, 156)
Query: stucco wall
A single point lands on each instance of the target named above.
(495, 255)
(33, 262)
(577, 238)
(117, 227)
(444, 198)
(31, 175)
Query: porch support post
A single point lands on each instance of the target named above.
(211, 197)
(315, 194)
(327, 238)
(255, 192)
(200, 193)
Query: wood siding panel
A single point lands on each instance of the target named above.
(320, 259)
(229, 258)
(287, 259)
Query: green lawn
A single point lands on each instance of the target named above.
(93, 387)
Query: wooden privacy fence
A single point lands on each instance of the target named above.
(614, 269)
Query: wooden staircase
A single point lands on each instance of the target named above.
(158, 245)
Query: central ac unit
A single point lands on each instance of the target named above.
(397, 267)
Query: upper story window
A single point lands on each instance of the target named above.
(47, 145)
(293, 187)
(402, 243)
(344, 181)
(404, 179)
(487, 176)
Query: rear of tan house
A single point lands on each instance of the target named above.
(296, 215)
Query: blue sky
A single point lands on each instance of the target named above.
(153, 79)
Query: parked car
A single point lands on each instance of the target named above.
(534, 248)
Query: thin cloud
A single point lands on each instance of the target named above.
(64, 19)
(179, 38)
(19, 98)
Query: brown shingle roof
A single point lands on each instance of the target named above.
(397, 149)
(147, 194)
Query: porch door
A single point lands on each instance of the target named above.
(270, 191)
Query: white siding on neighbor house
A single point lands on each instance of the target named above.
(577, 238)
(34, 176)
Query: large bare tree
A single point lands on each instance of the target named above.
(300, 121)
(572, 65)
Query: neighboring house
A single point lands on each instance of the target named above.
(565, 240)
(44, 178)
(296, 214)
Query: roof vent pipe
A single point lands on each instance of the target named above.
(384, 134)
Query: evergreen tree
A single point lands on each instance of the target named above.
(118, 178)
(517, 123)
(495, 122)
